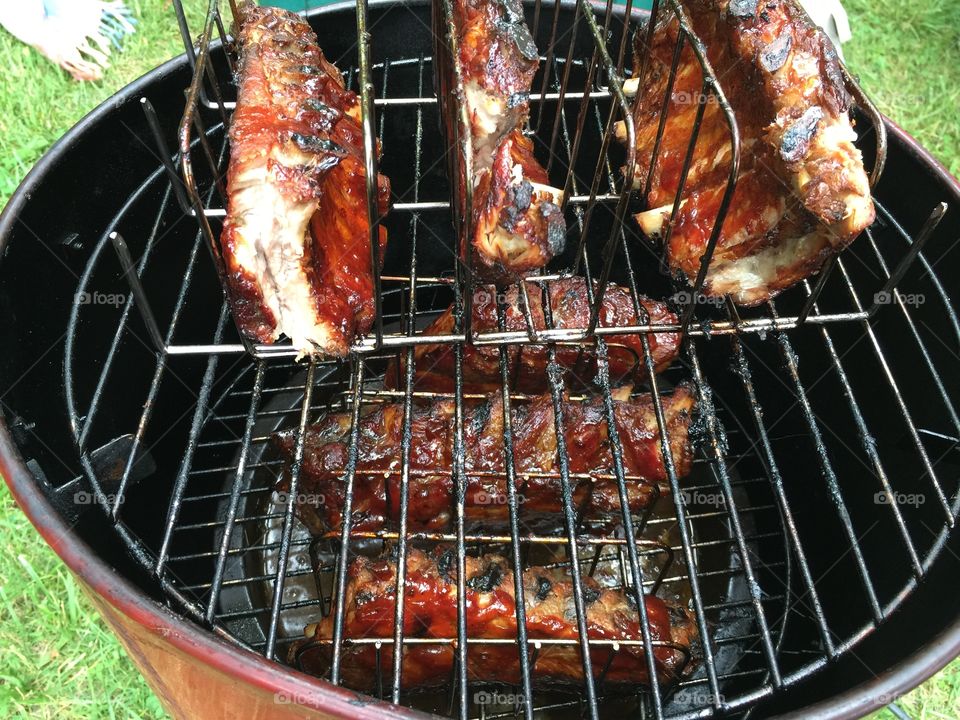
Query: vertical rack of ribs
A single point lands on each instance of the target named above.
(295, 241)
(802, 193)
(430, 612)
(570, 308)
(516, 224)
(377, 482)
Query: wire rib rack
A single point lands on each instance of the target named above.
(229, 551)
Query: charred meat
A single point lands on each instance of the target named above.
(296, 237)
(517, 225)
(569, 307)
(377, 482)
(802, 193)
(430, 612)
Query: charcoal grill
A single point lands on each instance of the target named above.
(814, 541)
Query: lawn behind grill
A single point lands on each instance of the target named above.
(59, 660)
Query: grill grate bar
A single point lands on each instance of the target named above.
(870, 449)
(160, 368)
(94, 405)
(705, 403)
(686, 541)
(556, 393)
(907, 416)
(383, 102)
(559, 335)
(196, 425)
(776, 482)
(411, 317)
(511, 479)
(235, 495)
(828, 473)
(616, 447)
(357, 383)
(924, 350)
(653, 548)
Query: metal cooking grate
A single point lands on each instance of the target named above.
(232, 555)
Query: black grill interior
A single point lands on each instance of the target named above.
(828, 395)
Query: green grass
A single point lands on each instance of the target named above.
(58, 658)
(907, 55)
(40, 102)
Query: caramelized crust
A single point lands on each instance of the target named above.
(296, 241)
(430, 612)
(517, 222)
(570, 308)
(377, 490)
(802, 192)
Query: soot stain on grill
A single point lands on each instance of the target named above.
(488, 580)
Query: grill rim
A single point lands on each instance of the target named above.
(256, 670)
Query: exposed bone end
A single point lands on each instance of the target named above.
(556, 194)
(860, 214)
(620, 131)
(631, 86)
(755, 278)
(834, 161)
(651, 222)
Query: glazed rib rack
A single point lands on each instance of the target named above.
(227, 549)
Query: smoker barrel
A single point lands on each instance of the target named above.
(151, 570)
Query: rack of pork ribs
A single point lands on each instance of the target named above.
(802, 194)
(296, 239)
(430, 614)
(430, 597)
